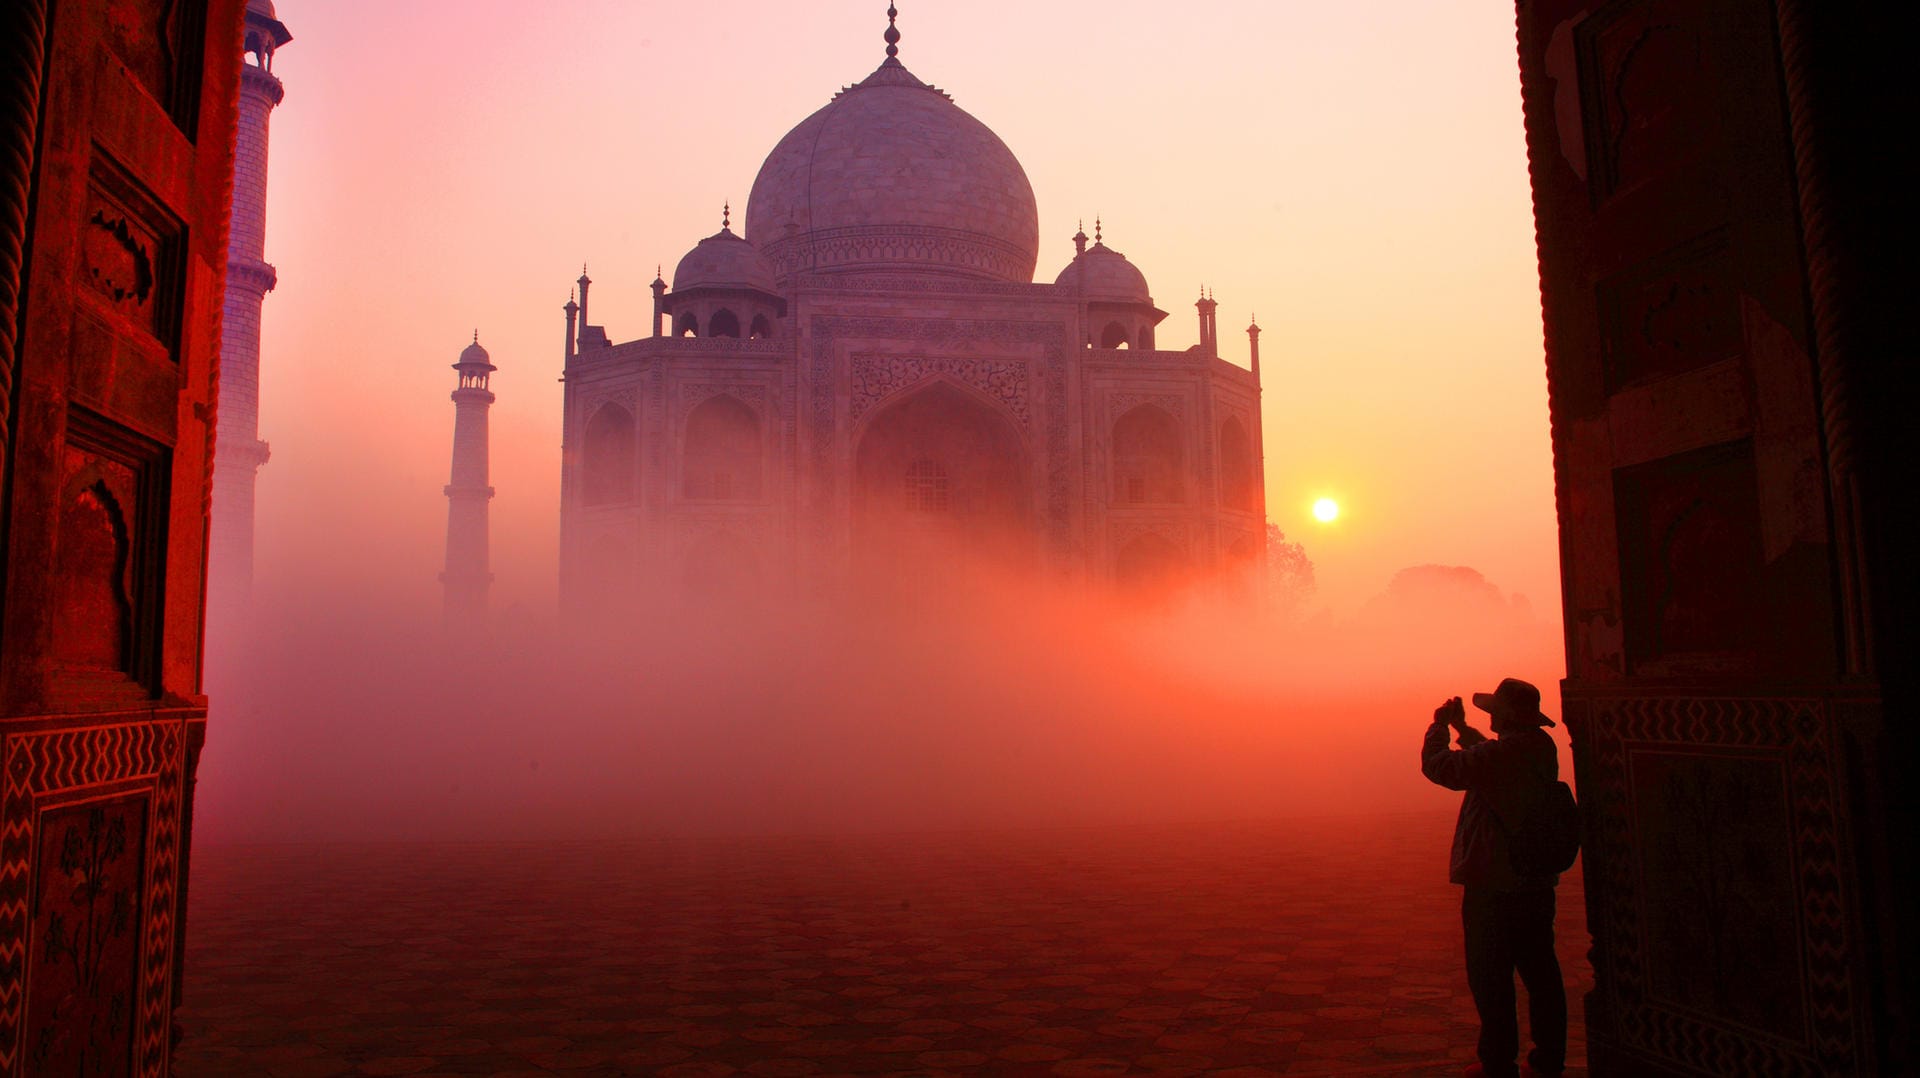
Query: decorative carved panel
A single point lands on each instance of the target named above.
(1715, 846)
(1717, 892)
(1691, 568)
(85, 942)
(1676, 313)
(92, 812)
(1648, 87)
(132, 254)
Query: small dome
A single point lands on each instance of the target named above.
(261, 7)
(474, 355)
(1109, 276)
(724, 260)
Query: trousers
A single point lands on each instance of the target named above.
(1509, 932)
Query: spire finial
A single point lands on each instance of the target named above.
(726, 215)
(893, 33)
(1096, 231)
(476, 334)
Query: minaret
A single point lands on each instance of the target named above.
(659, 300)
(467, 576)
(238, 450)
(1253, 343)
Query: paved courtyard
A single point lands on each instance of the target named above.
(1324, 947)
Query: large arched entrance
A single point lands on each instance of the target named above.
(941, 474)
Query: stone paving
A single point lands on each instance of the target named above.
(1321, 947)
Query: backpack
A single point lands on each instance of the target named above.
(1548, 840)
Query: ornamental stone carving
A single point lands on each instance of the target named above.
(876, 378)
(694, 394)
(591, 400)
(1120, 404)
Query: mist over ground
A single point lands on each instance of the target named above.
(962, 700)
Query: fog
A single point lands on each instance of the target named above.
(958, 697)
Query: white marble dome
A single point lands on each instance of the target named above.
(474, 356)
(892, 175)
(724, 260)
(1108, 274)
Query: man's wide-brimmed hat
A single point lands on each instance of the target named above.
(1520, 699)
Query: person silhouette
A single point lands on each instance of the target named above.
(1508, 916)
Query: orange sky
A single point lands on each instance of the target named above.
(1353, 173)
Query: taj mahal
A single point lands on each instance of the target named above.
(870, 362)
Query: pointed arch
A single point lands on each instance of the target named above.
(1114, 336)
(723, 323)
(1149, 458)
(607, 461)
(941, 468)
(686, 326)
(721, 458)
(1237, 488)
(93, 622)
(761, 329)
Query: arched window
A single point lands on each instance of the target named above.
(927, 486)
(724, 323)
(1114, 336)
(607, 464)
(1236, 466)
(722, 460)
(1148, 460)
(687, 326)
(761, 328)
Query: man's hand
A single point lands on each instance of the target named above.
(1453, 713)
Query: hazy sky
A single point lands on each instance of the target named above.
(1354, 173)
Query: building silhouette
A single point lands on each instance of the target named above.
(868, 367)
(1721, 238)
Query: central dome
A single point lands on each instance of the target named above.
(892, 175)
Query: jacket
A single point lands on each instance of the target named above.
(1505, 779)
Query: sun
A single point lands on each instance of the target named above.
(1326, 510)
